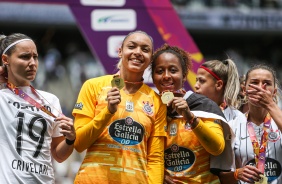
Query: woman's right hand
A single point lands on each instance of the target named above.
(113, 98)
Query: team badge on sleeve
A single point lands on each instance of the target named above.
(78, 106)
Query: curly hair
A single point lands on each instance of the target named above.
(183, 56)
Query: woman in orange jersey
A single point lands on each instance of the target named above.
(194, 132)
(120, 121)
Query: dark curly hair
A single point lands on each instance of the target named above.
(183, 56)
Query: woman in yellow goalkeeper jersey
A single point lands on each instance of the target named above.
(121, 121)
(194, 131)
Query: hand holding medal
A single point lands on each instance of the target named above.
(113, 96)
(67, 128)
(250, 174)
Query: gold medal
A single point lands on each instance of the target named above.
(263, 180)
(167, 97)
(117, 82)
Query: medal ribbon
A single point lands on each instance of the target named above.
(181, 91)
(259, 149)
(223, 106)
(27, 98)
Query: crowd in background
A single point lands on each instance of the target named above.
(64, 76)
(231, 3)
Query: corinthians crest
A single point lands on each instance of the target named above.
(273, 136)
(147, 108)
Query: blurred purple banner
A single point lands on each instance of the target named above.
(104, 23)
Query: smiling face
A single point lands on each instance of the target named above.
(167, 73)
(22, 63)
(136, 52)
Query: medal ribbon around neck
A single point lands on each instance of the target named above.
(27, 98)
(259, 149)
(181, 91)
(223, 106)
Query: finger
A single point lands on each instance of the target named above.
(65, 126)
(253, 99)
(258, 88)
(68, 134)
(60, 118)
(114, 102)
(251, 92)
(65, 120)
(114, 89)
(264, 86)
(114, 97)
(179, 101)
(171, 102)
(168, 180)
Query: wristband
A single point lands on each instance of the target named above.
(194, 118)
(69, 142)
(236, 174)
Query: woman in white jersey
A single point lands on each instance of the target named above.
(32, 127)
(258, 145)
(219, 81)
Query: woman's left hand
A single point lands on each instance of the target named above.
(67, 128)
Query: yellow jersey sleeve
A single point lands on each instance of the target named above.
(88, 126)
(160, 119)
(210, 135)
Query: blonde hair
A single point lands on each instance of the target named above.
(227, 71)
